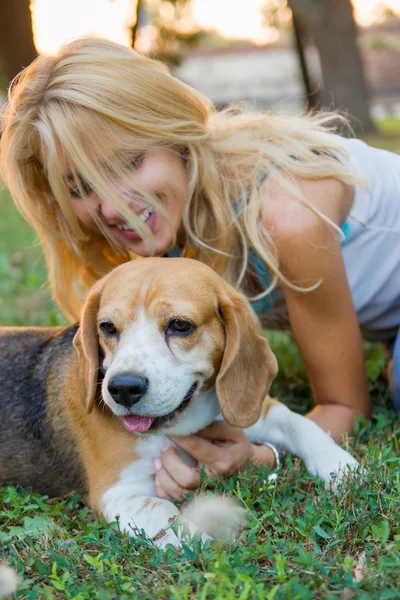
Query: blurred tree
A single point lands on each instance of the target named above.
(327, 24)
(331, 26)
(174, 28)
(136, 25)
(311, 88)
(17, 49)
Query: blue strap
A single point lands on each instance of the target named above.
(175, 252)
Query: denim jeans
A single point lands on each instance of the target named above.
(395, 374)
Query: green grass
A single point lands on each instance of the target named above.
(301, 541)
(25, 298)
(388, 135)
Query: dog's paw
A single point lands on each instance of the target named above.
(8, 581)
(334, 467)
(218, 516)
(182, 530)
(205, 518)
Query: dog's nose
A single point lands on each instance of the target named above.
(127, 389)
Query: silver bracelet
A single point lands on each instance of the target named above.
(279, 453)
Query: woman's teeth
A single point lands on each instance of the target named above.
(144, 215)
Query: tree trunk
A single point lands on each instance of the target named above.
(135, 26)
(17, 49)
(312, 95)
(331, 25)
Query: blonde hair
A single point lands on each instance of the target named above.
(95, 92)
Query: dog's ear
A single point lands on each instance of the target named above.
(248, 364)
(86, 343)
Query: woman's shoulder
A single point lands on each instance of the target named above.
(284, 214)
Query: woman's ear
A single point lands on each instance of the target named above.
(248, 364)
(86, 343)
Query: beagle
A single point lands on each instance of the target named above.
(164, 345)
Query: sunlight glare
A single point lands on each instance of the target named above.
(56, 21)
(365, 9)
(232, 18)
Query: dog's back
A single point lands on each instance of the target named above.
(35, 441)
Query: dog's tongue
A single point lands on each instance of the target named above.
(137, 423)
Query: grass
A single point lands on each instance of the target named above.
(25, 297)
(301, 541)
(390, 129)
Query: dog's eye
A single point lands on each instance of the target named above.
(179, 327)
(108, 328)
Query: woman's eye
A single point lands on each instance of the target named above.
(180, 327)
(135, 161)
(78, 191)
(75, 193)
(108, 328)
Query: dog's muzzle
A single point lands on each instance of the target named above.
(139, 423)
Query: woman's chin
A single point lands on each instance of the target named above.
(140, 247)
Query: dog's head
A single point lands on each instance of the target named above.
(168, 333)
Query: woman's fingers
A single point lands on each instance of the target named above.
(173, 476)
(166, 486)
(222, 449)
(186, 477)
(204, 451)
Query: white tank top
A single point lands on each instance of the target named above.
(371, 248)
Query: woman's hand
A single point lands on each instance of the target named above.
(221, 449)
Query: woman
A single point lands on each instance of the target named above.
(109, 157)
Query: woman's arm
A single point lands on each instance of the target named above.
(323, 321)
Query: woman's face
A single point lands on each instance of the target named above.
(162, 172)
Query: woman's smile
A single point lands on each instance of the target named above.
(125, 231)
(163, 174)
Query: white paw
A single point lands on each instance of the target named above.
(185, 532)
(219, 516)
(8, 581)
(333, 466)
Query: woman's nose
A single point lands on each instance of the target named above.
(109, 212)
